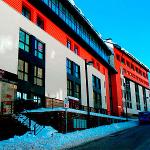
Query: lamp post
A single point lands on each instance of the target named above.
(87, 90)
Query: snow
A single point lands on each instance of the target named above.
(49, 139)
(72, 2)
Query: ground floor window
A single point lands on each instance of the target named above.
(73, 89)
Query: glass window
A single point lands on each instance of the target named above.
(76, 50)
(26, 12)
(69, 88)
(76, 71)
(69, 66)
(22, 70)
(69, 44)
(38, 76)
(77, 91)
(18, 95)
(39, 49)
(24, 40)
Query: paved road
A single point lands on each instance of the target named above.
(137, 138)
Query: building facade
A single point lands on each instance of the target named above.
(130, 85)
(43, 48)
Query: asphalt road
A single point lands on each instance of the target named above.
(137, 138)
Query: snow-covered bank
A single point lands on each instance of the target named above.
(50, 140)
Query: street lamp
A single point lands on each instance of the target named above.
(87, 89)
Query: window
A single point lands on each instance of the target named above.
(118, 57)
(72, 68)
(69, 88)
(22, 70)
(24, 40)
(144, 99)
(96, 92)
(26, 12)
(40, 22)
(128, 93)
(77, 91)
(21, 95)
(122, 60)
(39, 49)
(132, 66)
(128, 64)
(137, 97)
(96, 82)
(37, 99)
(69, 67)
(73, 79)
(38, 76)
(76, 50)
(69, 44)
(76, 71)
(137, 70)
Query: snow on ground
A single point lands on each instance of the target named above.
(48, 139)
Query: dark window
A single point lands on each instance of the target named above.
(69, 67)
(97, 92)
(144, 99)
(128, 93)
(132, 66)
(96, 82)
(76, 50)
(26, 12)
(22, 70)
(39, 49)
(77, 91)
(73, 69)
(38, 76)
(128, 64)
(137, 97)
(69, 88)
(137, 70)
(73, 79)
(76, 71)
(24, 40)
(118, 57)
(69, 44)
(122, 60)
(40, 22)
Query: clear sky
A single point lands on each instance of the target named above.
(127, 22)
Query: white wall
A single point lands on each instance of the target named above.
(9, 29)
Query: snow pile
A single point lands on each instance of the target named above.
(49, 139)
(72, 2)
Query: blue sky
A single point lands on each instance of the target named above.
(127, 22)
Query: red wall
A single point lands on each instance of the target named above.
(61, 36)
